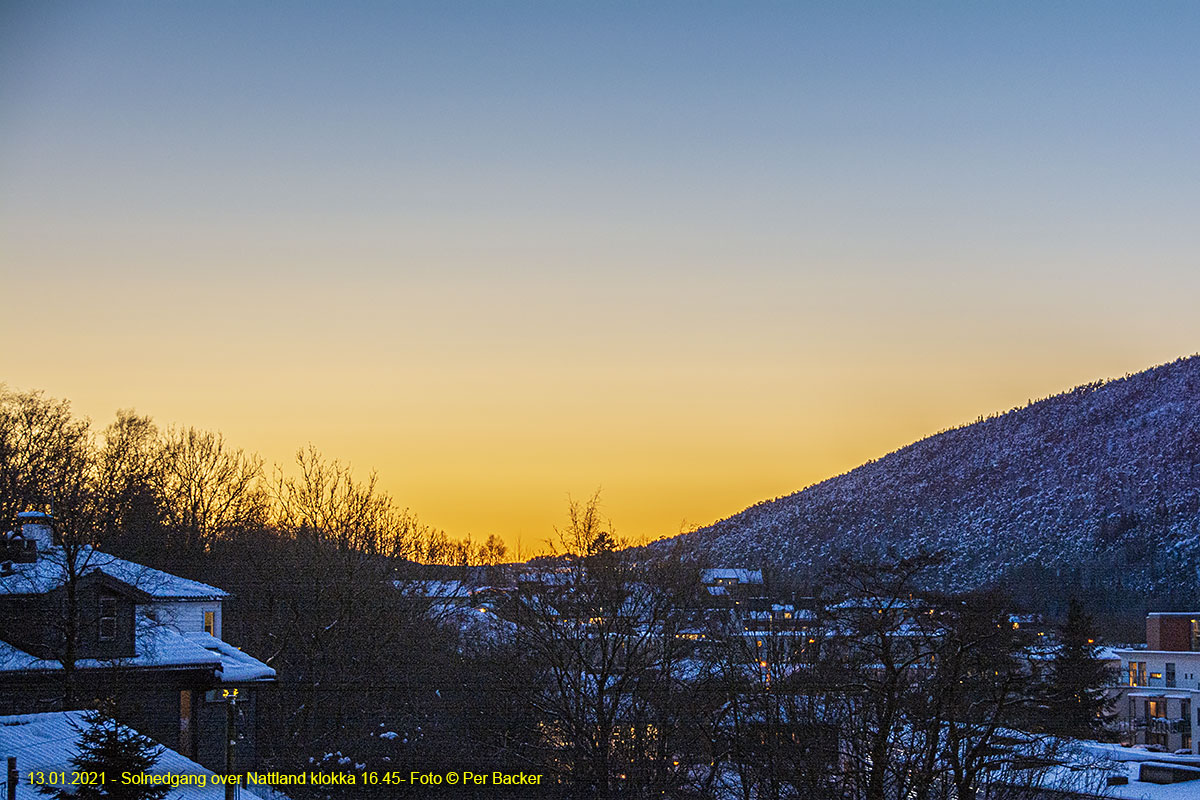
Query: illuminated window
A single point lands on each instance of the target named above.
(1137, 673)
(210, 623)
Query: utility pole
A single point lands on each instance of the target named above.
(14, 778)
(231, 788)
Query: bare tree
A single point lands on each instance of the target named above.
(207, 488)
(46, 459)
(339, 619)
(129, 512)
(600, 631)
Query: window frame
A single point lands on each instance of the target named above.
(106, 618)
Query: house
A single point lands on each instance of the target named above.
(723, 581)
(77, 625)
(1158, 699)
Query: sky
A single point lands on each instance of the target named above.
(695, 255)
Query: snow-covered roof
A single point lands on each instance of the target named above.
(236, 666)
(1140, 653)
(739, 575)
(889, 603)
(157, 646)
(479, 626)
(1110, 760)
(47, 743)
(556, 578)
(48, 573)
(160, 647)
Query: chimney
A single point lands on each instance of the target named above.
(36, 526)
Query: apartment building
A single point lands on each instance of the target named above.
(1158, 700)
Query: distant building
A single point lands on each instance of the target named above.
(727, 580)
(148, 639)
(1158, 701)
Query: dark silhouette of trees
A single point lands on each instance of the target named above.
(607, 690)
(130, 515)
(207, 489)
(46, 461)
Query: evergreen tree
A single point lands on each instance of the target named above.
(1078, 679)
(108, 747)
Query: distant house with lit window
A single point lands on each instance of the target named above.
(1158, 701)
(724, 581)
(145, 638)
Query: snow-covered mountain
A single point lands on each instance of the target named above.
(1099, 486)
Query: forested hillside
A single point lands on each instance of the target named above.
(1096, 489)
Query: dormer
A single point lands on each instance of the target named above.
(16, 549)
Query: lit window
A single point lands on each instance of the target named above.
(210, 623)
(1137, 673)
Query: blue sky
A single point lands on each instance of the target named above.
(698, 253)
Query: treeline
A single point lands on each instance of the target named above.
(142, 490)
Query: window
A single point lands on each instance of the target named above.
(1170, 674)
(210, 623)
(108, 618)
(1137, 673)
(1157, 727)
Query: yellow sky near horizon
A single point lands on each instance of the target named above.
(481, 448)
(696, 255)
